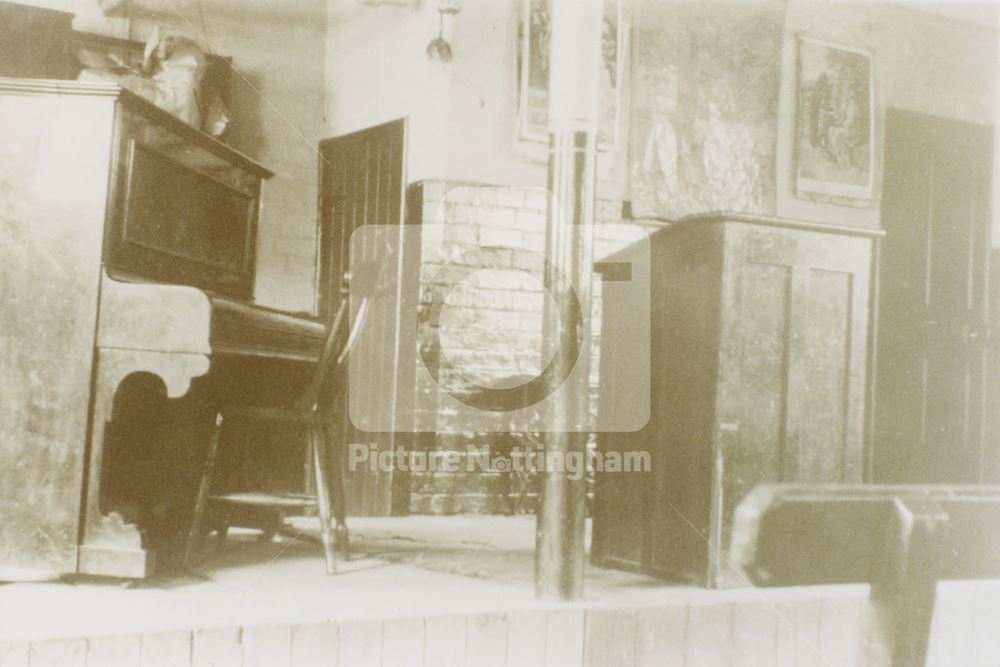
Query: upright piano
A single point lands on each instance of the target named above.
(127, 261)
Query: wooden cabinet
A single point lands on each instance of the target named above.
(759, 356)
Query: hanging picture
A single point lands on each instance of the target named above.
(533, 73)
(834, 141)
(703, 108)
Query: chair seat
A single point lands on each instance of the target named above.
(281, 501)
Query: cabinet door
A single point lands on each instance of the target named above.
(793, 353)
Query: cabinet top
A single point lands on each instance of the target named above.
(689, 226)
(64, 88)
(715, 217)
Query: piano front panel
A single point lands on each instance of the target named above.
(181, 213)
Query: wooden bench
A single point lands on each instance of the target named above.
(900, 539)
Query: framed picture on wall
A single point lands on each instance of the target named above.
(533, 72)
(835, 128)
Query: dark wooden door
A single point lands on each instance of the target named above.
(931, 378)
(362, 183)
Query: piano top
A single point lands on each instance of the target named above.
(59, 87)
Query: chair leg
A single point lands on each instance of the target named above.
(317, 443)
(336, 460)
(204, 489)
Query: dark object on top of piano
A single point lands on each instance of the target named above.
(100, 290)
(171, 71)
(900, 539)
(35, 42)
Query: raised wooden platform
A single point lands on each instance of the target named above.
(440, 591)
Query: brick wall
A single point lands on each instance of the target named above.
(488, 326)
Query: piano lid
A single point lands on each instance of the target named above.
(242, 329)
(154, 317)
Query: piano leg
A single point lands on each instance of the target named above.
(109, 545)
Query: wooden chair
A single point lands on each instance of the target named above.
(308, 414)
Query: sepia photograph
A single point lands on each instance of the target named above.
(499, 333)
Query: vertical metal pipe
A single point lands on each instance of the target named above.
(995, 235)
(575, 57)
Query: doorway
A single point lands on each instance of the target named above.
(931, 414)
(362, 182)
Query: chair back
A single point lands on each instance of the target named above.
(360, 283)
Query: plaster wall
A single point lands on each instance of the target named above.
(462, 115)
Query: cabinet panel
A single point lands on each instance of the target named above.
(795, 393)
(760, 383)
(684, 358)
(826, 362)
